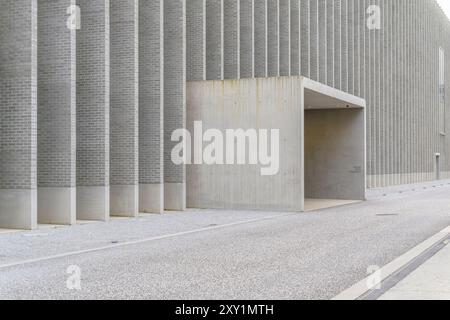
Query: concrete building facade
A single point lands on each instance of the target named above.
(92, 90)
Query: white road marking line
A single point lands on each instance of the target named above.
(129, 243)
(360, 288)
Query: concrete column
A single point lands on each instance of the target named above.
(151, 106)
(304, 38)
(174, 100)
(260, 38)
(214, 39)
(124, 117)
(295, 37)
(196, 40)
(18, 109)
(246, 38)
(231, 47)
(273, 36)
(93, 109)
(285, 37)
(56, 114)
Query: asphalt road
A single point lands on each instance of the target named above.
(207, 254)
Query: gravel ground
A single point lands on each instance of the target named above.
(208, 254)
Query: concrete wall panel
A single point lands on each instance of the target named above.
(334, 154)
(271, 103)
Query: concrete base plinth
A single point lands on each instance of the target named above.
(124, 201)
(151, 198)
(93, 203)
(57, 206)
(18, 209)
(175, 196)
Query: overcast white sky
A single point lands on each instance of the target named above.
(445, 4)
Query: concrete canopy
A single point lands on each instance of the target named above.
(306, 136)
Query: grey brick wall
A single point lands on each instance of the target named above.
(338, 43)
(18, 94)
(344, 45)
(246, 39)
(196, 40)
(322, 31)
(260, 38)
(285, 38)
(295, 37)
(304, 38)
(124, 109)
(330, 42)
(56, 96)
(273, 36)
(93, 91)
(174, 83)
(231, 47)
(395, 69)
(151, 95)
(214, 39)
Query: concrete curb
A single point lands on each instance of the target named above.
(362, 287)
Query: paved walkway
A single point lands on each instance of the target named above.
(431, 281)
(220, 254)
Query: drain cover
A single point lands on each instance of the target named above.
(387, 214)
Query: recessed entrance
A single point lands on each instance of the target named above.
(334, 149)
